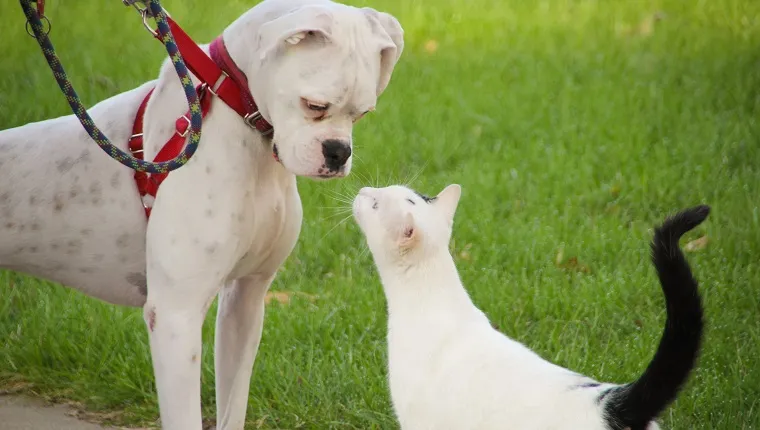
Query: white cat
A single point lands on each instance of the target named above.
(449, 369)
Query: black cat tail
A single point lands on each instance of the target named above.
(634, 405)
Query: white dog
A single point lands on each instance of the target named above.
(226, 221)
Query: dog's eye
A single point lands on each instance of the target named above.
(411, 201)
(317, 107)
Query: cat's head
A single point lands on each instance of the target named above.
(400, 223)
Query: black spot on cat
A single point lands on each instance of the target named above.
(210, 249)
(5, 197)
(33, 249)
(86, 231)
(35, 226)
(425, 198)
(209, 213)
(9, 225)
(589, 385)
(32, 200)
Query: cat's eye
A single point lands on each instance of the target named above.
(411, 201)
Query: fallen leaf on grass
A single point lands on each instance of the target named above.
(644, 28)
(283, 297)
(465, 253)
(571, 264)
(431, 46)
(696, 244)
(261, 421)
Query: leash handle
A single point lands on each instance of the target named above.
(34, 19)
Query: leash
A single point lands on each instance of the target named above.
(220, 77)
(154, 10)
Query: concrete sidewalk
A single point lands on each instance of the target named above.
(24, 413)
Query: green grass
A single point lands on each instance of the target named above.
(569, 129)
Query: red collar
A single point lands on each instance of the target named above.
(221, 76)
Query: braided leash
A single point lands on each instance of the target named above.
(155, 10)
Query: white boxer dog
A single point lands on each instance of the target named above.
(222, 224)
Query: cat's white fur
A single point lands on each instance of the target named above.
(448, 368)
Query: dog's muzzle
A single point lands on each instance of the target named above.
(336, 153)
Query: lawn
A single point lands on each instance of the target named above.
(573, 127)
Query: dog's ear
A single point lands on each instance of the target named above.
(293, 27)
(448, 200)
(391, 38)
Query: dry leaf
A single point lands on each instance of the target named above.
(283, 297)
(261, 421)
(646, 27)
(573, 265)
(431, 46)
(696, 244)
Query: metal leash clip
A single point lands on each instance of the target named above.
(144, 12)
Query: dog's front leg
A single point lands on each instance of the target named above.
(174, 315)
(239, 322)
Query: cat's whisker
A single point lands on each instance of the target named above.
(416, 176)
(341, 222)
(337, 214)
(340, 197)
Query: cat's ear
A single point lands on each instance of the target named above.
(447, 201)
(407, 234)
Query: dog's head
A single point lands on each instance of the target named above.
(318, 70)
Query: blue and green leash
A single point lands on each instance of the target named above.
(34, 18)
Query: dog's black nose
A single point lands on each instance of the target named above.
(336, 153)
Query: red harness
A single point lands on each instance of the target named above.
(220, 77)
